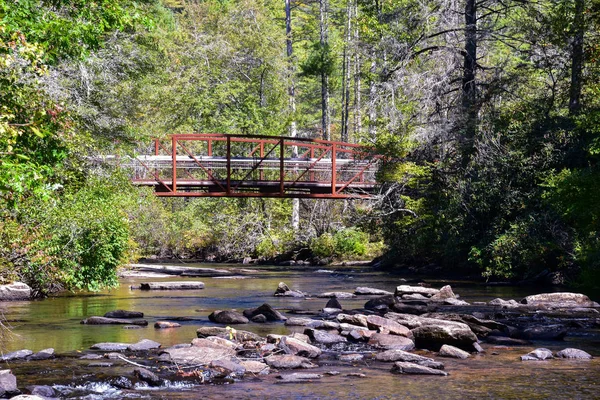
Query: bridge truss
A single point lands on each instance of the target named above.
(219, 165)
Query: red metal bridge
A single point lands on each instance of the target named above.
(219, 165)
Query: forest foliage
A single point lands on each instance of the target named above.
(488, 110)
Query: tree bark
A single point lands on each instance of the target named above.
(292, 101)
(577, 58)
(469, 88)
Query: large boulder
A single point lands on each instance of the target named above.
(289, 361)
(559, 300)
(389, 342)
(574, 354)
(406, 289)
(227, 317)
(195, 355)
(267, 311)
(401, 367)
(298, 347)
(8, 384)
(15, 291)
(433, 337)
(385, 325)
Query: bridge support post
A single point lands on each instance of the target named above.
(228, 165)
(174, 161)
(281, 167)
(333, 168)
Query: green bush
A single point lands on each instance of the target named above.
(344, 243)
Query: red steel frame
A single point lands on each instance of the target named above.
(349, 172)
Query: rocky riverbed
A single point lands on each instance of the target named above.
(414, 334)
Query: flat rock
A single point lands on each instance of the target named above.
(574, 354)
(318, 336)
(298, 377)
(433, 337)
(255, 367)
(228, 367)
(297, 347)
(560, 300)
(355, 319)
(453, 352)
(124, 314)
(8, 384)
(147, 376)
(227, 317)
(389, 342)
(337, 295)
(15, 291)
(289, 361)
(504, 303)
(401, 355)
(183, 285)
(16, 355)
(390, 326)
(537, 355)
(367, 291)
(113, 321)
(199, 355)
(242, 336)
(312, 323)
(267, 311)
(402, 367)
(166, 325)
(110, 346)
(144, 344)
(455, 302)
(352, 357)
(414, 296)
(45, 354)
(406, 289)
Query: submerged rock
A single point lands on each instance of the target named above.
(166, 325)
(110, 346)
(338, 295)
(352, 357)
(547, 332)
(401, 367)
(574, 354)
(227, 317)
(15, 291)
(537, 355)
(453, 352)
(507, 341)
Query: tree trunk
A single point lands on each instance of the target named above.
(469, 88)
(292, 101)
(346, 74)
(357, 80)
(577, 58)
(325, 124)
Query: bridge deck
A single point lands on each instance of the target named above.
(215, 165)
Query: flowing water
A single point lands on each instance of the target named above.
(55, 322)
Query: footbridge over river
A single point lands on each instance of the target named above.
(220, 165)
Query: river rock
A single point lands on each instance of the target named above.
(284, 291)
(352, 357)
(453, 352)
(456, 302)
(401, 367)
(389, 342)
(506, 341)
(113, 321)
(147, 376)
(255, 367)
(574, 354)
(228, 367)
(16, 355)
(560, 300)
(166, 325)
(434, 336)
(367, 291)
(504, 303)
(41, 390)
(312, 323)
(183, 285)
(269, 312)
(317, 336)
(414, 296)
(413, 307)
(406, 289)
(444, 293)
(110, 346)
(124, 314)
(537, 355)
(298, 377)
(356, 319)
(8, 384)
(547, 332)
(143, 345)
(45, 354)
(375, 322)
(259, 319)
(199, 355)
(381, 304)
(401, 355)
(297, 347)
(221, 342)
(359, 335)
(289, 361)
(227, 317)
(333, 303)
(15, 291)
(337, 295)
(242, 336)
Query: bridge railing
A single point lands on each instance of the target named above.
(250, 166)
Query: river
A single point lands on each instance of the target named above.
(55, 323)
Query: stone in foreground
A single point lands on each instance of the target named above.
(15, 291)
(434, 337)
(415, 369)
(8, 384)
(574, 354)
(391, 342)
(537, 355)
(453, 352)
(16, 355)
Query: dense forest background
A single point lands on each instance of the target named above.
(490, 110)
